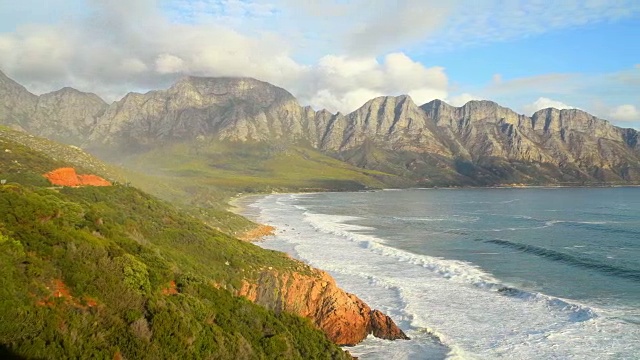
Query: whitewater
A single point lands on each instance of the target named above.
(478, 276)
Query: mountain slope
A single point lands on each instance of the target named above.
(232, 108)
(16, 103)
(66, 115)
(480, 143)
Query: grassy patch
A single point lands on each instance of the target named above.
(253, 167)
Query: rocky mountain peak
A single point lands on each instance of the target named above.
(221, 90)
(484, 106)
(388, 101)
(490, 112)
(552, 119)
(16, 103)
(71, 94)
(3, 77)
(438, 109)
(10, 87)
(424, 140)
(436, 103)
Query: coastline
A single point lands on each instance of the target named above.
(238, 205)
(313, 293)
(237, 202)
(427, 342)
(333, 244)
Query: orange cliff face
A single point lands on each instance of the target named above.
(345, 318)
(68, 177)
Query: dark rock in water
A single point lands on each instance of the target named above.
(384, 328)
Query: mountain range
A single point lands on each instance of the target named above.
(435, 144)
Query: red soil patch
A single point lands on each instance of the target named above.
(91, 302)
(172, 289)
(69, 177)
(60, 290)
(258, 233)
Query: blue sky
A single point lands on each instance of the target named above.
(337, 54)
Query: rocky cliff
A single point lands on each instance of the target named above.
(241, 109)
(345, 318)
(66, 115)
(16, 103)
(480, 143)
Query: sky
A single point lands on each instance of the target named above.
(337, 54)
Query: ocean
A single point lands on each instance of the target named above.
(535, 273)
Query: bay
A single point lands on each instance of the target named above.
(478, 273)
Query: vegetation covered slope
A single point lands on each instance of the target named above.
(113, 272)
(236, 167)
(22, 160)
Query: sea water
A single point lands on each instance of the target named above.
(478, 273)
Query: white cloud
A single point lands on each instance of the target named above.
(544, 103)
(170, 64)
(343, 83)
(625, 113)
(393, 24)
(116, 50)
(545, 83)
(133, 66)
(490, 21)
(360, 27)
(462, 99)
(111, 49)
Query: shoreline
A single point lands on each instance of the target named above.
(237, 204)
(317, 256)
(255, 233)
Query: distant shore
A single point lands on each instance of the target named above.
(238, 205)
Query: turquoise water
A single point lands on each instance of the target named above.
(479, 273)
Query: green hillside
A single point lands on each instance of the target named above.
(111, 272)
(234, 167)
(201, 177)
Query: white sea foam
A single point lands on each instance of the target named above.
(465, 308)
(454, 218)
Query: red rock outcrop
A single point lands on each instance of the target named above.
(69, 177)
(345, 318)
(258, 232)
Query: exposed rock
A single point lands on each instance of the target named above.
(68, 177)
(241, 109)
(396, 122)
(257, 233)
(384, 328)
(16, 103)
(66, 115)
(345, 318)
(480, 143)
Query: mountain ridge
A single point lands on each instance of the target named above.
(482, 142)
